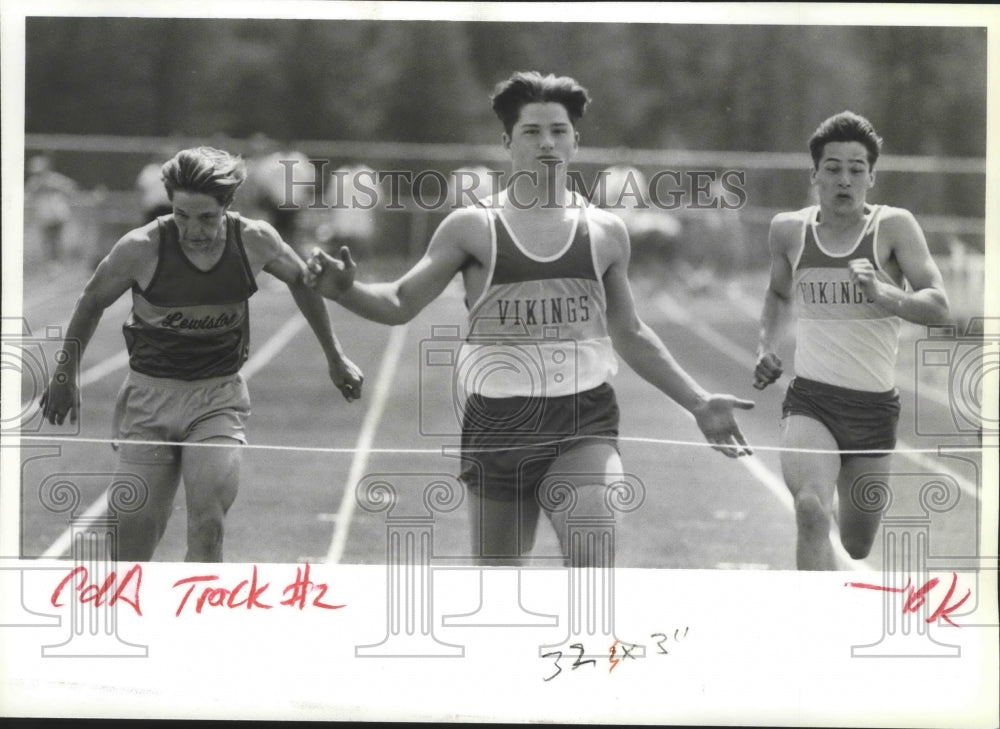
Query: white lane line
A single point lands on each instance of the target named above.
(746, 359)
(776, 485)
(119, 361)
(366, 436)
(260, 358)
(104, 368)
(37, 293)
(267, 352)
(273, 346)
(62, 544)
(930, 465)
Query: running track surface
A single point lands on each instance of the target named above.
(310, 448)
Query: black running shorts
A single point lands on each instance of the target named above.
(508, 444)
(858, 420)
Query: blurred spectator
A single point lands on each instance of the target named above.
(655, 233)
(49, 197)
(352, 196)
(268, 193)
(149, 184)
(472, 185)
(715, 235)
(623, 189)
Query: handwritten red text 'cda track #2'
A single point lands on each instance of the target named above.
(196, 594)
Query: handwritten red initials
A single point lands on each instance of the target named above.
(916, 599)
(944, 609)
(88, 592)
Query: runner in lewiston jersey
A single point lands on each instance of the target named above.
(190, 273)
(190, 324)
(549, 308)
(852, 271)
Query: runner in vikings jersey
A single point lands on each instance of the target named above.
(853, 271)
(550, 299)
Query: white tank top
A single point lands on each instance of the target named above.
(843, 338)
(540, 326)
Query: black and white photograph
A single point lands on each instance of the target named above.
(642, 356)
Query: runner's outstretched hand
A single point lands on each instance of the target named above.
(718, 423)
(61, 398)
(330, 276)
